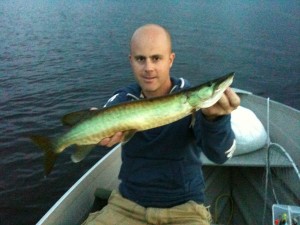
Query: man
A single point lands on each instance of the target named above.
(161, 176)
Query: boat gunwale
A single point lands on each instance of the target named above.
(76, 185)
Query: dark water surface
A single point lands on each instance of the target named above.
(61, 56)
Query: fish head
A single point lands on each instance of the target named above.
(209, 93)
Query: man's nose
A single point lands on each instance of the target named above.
(148, 65)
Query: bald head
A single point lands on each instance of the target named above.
(151, 59)
(150, 32)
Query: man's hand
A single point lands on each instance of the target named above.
(110, 141)
(227, 103)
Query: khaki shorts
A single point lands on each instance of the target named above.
(121, 211)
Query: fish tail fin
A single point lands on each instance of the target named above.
(47, 146)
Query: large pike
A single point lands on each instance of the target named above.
(129, 117)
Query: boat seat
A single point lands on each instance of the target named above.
(101, 199)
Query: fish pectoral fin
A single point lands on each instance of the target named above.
(73, 118)
(193, 121)
(128, 135)
(81, 152)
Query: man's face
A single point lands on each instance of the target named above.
(151, 59)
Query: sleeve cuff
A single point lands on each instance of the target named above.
(229, 153)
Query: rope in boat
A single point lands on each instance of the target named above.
(267, 162)
(216, 215)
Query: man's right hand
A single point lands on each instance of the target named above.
(110, 141)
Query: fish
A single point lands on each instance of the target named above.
(89, 127)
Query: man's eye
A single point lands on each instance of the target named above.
(155, 58)
(140, 59)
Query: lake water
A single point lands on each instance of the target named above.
(61, 56)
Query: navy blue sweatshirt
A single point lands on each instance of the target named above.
(161, 167)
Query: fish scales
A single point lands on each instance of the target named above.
(138, 116)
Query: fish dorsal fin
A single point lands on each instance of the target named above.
(81, 152)
(73, 118)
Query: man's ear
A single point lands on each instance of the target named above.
(172, 58)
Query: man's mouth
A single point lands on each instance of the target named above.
(148, 78)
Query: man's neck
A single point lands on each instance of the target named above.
(162, 92)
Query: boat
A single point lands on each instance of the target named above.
(242, 191)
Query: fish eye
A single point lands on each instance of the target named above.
(209, 84)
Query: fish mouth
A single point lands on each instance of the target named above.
(224, 82)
